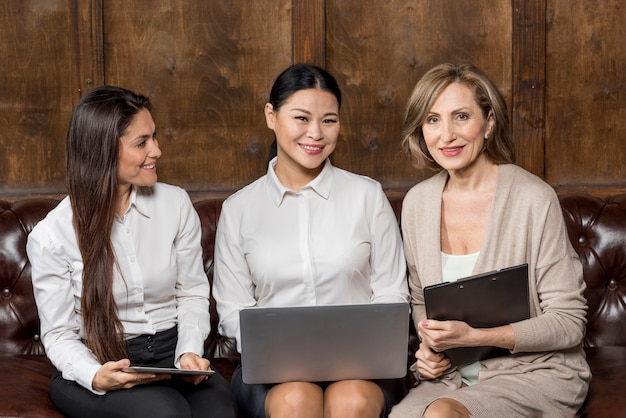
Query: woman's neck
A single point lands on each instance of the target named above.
(481, 175)
(123, 200)
(295, 178)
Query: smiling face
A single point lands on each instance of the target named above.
(455, 129)
(138, 153)
(306, 128)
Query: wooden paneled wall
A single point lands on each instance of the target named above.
(208, 67)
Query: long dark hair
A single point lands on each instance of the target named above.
(300, 77)
(98, 122)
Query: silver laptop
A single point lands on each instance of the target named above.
(324, 343)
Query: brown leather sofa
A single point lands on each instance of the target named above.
(597, 229)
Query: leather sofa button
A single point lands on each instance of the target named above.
(612, 284)
(582, 240)
(6, 292)
(36, 337)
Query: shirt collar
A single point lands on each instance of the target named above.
(322, 184)
(139, 200)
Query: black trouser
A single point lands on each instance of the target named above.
(166, 398)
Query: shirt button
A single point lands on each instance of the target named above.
(139, 309)
(150, 339)
(132, 259)
(138, 290)
(149, 348)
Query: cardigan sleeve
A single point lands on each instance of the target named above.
(558, 281)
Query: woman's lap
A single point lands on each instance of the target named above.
(171, 398)
(251, 398)
(527, 394)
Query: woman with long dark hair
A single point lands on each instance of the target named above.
(118, 276)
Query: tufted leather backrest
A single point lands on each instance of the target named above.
(596, 227)
(209, 212)
(597, 230)
(19, 322)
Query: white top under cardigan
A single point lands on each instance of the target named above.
(336, 241)
(158, 251)
(454, 267)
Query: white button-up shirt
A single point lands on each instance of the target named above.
(162, 281)
(336, 241)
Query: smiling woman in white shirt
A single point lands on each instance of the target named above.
(307, 233)
(118, 277)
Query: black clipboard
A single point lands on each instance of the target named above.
(484, 300)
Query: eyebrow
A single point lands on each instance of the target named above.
(297, 109)
(144, 137)
(461, 109)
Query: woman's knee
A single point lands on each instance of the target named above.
(446, 407)
(354, 398)
(291, 399)
(160, 402)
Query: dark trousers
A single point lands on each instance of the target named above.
(166, 398)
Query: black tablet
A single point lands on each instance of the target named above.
(166, 370)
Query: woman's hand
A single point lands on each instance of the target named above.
(192, 361)
(430, 365)
(435, 337)
(111, 377)
(443, 335)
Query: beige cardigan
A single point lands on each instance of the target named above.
(526, 226)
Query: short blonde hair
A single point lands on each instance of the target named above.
(499, 148)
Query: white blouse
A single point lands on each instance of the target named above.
(336, 241)
(162, 281)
